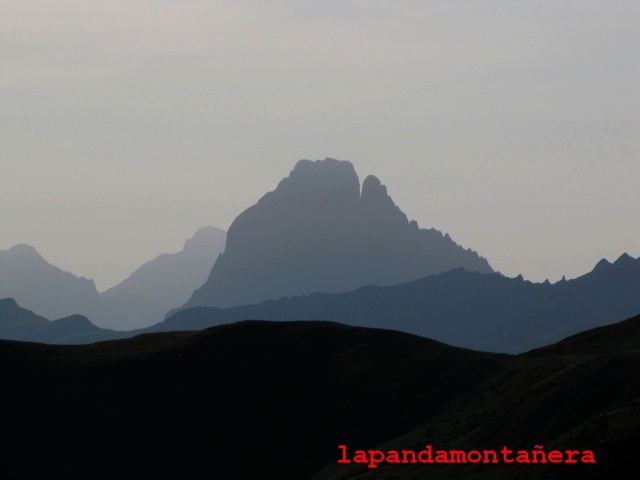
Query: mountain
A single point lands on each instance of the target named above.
(318, 231)
(609, 293)
(17, 323)
(469, 309)
(46, 289)
(277, 399)
(141, 300)
(165, 282)
(487, 312)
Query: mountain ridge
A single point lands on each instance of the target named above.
(166, 281)
(319, 231)
(142, 299)
(468, 309)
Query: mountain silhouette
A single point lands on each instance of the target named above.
(609, 293)
(141, 300)
(276, 399)
(46, 289)
(17, 323)
(487, 312)
(468, 309)
(318, 231)
(165, 282)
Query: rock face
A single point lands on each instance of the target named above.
(319, 232)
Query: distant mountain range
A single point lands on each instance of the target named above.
(46, 289)
(318, 247)
(318, 231)
(165, 282)
(141, 300)
(469, 309)
(277, 399)
(483, 311)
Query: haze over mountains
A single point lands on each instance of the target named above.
(318, 231)
(318, 247)
(469, 309)
(166, 281)
(46, 289)
(487, 312)
(285, 394)
(141, 300)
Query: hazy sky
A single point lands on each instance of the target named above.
(511, 125)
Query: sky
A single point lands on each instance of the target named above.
(514, 126)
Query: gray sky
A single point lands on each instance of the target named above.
(511, 125)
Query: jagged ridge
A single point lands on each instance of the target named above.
(318, 232)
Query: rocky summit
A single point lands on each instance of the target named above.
(319, 231)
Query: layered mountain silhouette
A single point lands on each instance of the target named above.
(609, 293)
(276, 399)
(318, 231)
(141, 300)
(165, 282)
(487, 312)
(469, 309)
(17, 323)
(46, 289)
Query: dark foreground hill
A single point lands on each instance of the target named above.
(275, 400)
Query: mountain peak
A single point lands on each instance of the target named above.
(24, 250)
(45, 289)
(372, 188)
(318, 232)
(625, 259)
(305, 166)
(21, 256)
(330, 179)
(8, 303)
(602, 265)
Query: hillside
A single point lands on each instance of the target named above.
(258, 399)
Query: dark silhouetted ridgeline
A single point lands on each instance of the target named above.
(275, 399)
(469, 309)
